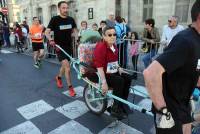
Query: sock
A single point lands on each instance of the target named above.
(70, 86)
(59, 77)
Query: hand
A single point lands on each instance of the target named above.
(164, 119)
(122, 71)
(52, 43)
(152, 41)
(104, 88)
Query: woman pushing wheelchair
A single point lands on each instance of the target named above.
(105, 60)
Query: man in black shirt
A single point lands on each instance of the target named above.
(63, 26)
(172, 77)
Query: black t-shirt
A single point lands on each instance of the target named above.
(180, 61)
(62, 28)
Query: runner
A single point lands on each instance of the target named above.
(63, 26)
(36, 36)
(172, 77)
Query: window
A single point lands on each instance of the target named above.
(39, 14)
(147, 9)
(118, 8)
(182, 7)
(53, 9)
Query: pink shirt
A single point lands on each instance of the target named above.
(134, 49)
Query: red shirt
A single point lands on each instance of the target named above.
(103, 55)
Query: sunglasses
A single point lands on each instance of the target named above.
(112, 35)
(169, 21)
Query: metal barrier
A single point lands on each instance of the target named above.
(144, 50)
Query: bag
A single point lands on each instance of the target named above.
(85, 55)
(122, 32)
(86, 48)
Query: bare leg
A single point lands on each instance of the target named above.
(187, 128)
(35, 56)
(41, 54)
(62, 70)
(66, 66)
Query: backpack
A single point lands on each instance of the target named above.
(122, 32)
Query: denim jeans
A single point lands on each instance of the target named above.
(147, 58)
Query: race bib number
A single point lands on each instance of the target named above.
(38, 35)
(65, 27)
(112, 67)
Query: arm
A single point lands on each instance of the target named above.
(157, 38)
(103, 80)
(153, 82)
(198, 83)
(47, 34)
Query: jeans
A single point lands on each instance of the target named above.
(147, 58)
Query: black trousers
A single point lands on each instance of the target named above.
(119, 83)
(135, 61)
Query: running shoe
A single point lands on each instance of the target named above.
(72, 92)
(59, 82)
(39, 63)
(36, 65)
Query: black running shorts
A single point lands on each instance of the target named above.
(61, 56)
(37, 46)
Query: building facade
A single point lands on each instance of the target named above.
(93, 11)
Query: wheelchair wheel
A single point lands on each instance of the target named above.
(94, 100)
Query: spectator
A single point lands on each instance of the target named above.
(169, 31)
(134, 53)
(172, 77)
(27, 28)
(18, 37)
(120, 29)
(102, 25)
(111, 20)
(151, 37)
(6, 33)
(24, 34)
(1, 34)
(95, 27)
(82, 29)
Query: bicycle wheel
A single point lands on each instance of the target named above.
(95, 101)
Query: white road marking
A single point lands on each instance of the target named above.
(34, 109)
(73, 110)
(119, 128)
(6, 52)
(71, 127)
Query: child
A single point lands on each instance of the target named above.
(134, 52)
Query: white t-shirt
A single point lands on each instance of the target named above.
(24, 32)
(169, 33)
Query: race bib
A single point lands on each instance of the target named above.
(38, 35)
(65, 27)
(112, 67)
